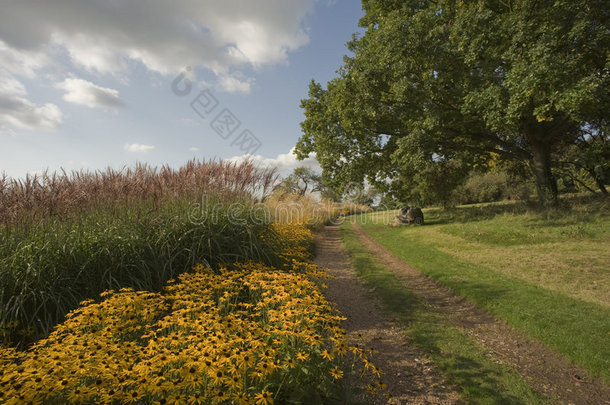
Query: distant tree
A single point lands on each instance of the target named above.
(445, 83)
(301, 181)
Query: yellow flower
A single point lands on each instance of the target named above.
(243, 399)
(327, 355)
(194, 383)
(336, 373)
(235, 383)
(341, 348)
(106, 293)
(77, 394)
(132, 397)
(376, 371)
(176, 399)
(189, 371)
(263, 398)
(196, 399)
(216, 375)
(157, 385)
(257, 375)
(220, 396)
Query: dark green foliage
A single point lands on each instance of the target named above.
(586, 165)
(492, 186)
(484, 188)
(437, 83)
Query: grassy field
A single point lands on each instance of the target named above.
(476, 377)
(546, 273)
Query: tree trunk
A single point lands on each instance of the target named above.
(540, 164)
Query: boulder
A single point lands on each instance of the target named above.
(410, 215)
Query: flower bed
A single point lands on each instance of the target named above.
(245, 334)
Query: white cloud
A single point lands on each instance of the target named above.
(136, 147)
(107, 37)
(233, 84)
(22, 62)
(284, 162)
(194, 149)
(79, 91)
(16, 111)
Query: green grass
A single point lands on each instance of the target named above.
(534, 270)
(477, 377)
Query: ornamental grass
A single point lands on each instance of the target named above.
(68, 237)
(64, 194)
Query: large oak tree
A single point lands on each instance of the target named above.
(438, 86)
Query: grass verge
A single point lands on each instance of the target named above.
(478, 378)
(571, 326)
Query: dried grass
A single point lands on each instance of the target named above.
(63, 193)
(294, 208)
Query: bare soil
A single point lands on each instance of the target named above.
(410, 376)
(548, 373)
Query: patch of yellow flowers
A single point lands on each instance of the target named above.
(248, 334)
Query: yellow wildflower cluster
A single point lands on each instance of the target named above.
(246, 335)
(293, 244)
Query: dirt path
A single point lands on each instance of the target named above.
(411, 377)
(545, 370)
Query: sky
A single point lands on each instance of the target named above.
(92, 84)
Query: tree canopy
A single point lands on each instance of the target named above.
(434, 88)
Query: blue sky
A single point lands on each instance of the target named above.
(91, 86)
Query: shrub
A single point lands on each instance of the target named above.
(491, 186)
